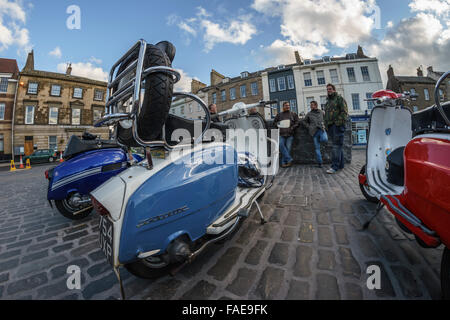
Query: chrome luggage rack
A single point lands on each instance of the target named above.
(132, 89)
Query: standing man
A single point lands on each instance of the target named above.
(336, 114)
(213, 111)
(287, 121)
(314, 122)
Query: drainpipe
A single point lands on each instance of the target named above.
(13, 119)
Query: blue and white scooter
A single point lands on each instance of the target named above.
(161, 213)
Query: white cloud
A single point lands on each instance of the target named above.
(237, 31)
(184, 85)
(95, 60)
(12, 26)
(423, 39)
(311, 26)
(439, 7)
(56, 52)
(86, 70)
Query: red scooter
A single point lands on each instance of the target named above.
(408, 169)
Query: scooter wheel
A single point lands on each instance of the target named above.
(68, 211)
(445, 274)
(366, 190)
(146, 269)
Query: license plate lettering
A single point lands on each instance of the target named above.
(106, 239)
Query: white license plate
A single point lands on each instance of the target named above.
(106, 239)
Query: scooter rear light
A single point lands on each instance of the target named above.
(46, 174)
(99, 207)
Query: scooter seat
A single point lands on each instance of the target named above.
(174, 122)
(430, 120)
(77, 146)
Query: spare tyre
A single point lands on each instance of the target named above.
(157, 98)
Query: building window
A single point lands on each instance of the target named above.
(78, 93)
(273, 87)
(2, 111)
(224, 95)
(52, 144)
(369, 103)
(214, 98)
(334, 76)
(32, 88)
(308, 80)
(254, 86)
(351, 74)
(243, 91)
(412, 91)
(76, 117)
(29, 114)
(281, 84)
(355, 101)
(2, 145)
(307, 62)
(323, 102)
(182, 110)
(97, 114)
(290, 81)
(293, 104)
(320, 78)
(56, 90)
(365, 73)
(244, 74)
(326, 59)
(308, 103)
(53, 115)
(232, 93)
(98, 95)
(426, 94)
(441, 94)
(415, 108)
(3, 85)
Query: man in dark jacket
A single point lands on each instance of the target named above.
(287, 121)
(314, 122)
(213, 111)
(336, 114)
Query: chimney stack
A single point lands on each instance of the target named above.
(69, 69)
(390, 72)
(419, 72)
(298, 59)
(360, 52)
(29, 65)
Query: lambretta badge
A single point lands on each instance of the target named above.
(162, 217)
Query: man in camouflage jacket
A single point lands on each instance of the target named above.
(336, 115)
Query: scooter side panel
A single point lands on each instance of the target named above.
(85, 172)
(182, 198)
(427, 176)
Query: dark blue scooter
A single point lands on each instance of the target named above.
(89, 162)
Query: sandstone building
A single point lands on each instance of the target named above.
(9, 73)
(51, 107)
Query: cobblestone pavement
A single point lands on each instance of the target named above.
(310, 249)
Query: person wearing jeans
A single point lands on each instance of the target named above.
(314, 122)
(336, 115)
(287, 121)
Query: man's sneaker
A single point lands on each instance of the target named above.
(284, 166)
(289, 164)
(331, 171)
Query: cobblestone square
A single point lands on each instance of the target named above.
(311, 248)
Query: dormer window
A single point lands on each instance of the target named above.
(226, 80)
(244, 74)
(351, 56)
(326, 59)
(281, 67)
(307, 62)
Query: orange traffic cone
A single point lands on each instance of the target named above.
(21, 163)
(13, 166)
(60, 157)
(28, 165)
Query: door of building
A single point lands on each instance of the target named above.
(28, 146)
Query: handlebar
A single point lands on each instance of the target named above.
(249, 106)
(437, 97)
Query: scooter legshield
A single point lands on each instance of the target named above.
(183, 198)
(85, 172)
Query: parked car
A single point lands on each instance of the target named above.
(43, 155)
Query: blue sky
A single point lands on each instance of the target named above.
(230, 36)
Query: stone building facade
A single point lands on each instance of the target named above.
(9, 74)
(51, 107)
(225, 92)
(422, 85)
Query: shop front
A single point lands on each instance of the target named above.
(360, 130)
